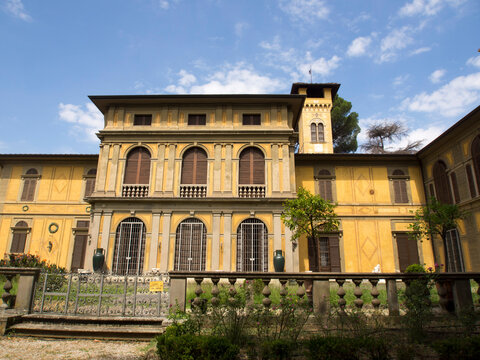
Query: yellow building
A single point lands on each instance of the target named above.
(197, 182)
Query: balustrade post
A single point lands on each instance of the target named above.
(178, 293)
(266, 293)
(321, 296)
(375, 293)
(462, 296)
(341, 293)
(7, 298)
(392, 298)
(358, 293)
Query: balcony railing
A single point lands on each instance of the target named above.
(193, 191)
(135, 191)
(251, 191)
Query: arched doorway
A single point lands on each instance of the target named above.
(252, 246)
(129, 250)
(190, 246)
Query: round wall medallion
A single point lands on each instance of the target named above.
(53, 228)
(88, 209)
(25, 208)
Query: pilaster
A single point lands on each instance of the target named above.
(170, 169)
(216, 241)
(227, 241)
(165, 245)
(152, 262)
(160, 168)
(112, 180)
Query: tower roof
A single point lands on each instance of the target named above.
(315, 89)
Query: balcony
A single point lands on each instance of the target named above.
(193, 191)
(251, 191)
(135, 191)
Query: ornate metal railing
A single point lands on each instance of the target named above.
(251, 191)
(101, 295)
(135, 191)
(454, 289)
(193, 191)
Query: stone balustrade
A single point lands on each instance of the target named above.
(451, 287)
(23, 300)
(251, 191)
(193, 191)
(135, 191)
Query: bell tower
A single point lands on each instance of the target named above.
(315, 125)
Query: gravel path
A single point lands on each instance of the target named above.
(55, 349)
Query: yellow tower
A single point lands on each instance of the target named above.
(315, 125)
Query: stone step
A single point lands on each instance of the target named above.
(93, 320)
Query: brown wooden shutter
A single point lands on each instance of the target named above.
(456, 194)
(312, 255)
(442, 186)
(144, 167)
(335, 263)
(18, 242)
(325, 189)
(78, 256)
(321, 136)
(89, 186)
(83, 224)
(471, 184)
(244, 167)
(407, 251)
(258, 167)
(313, 132)
(188, 165)
(29, 185)
(476, 158)
(400, 191)
(194, 167)
(201, 167)
(137, 168)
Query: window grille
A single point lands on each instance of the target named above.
(454, 252)
(129, 248)
(252, 246)
(190, 246)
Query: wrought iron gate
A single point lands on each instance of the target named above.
(252, 246)
(101, 295)
(190, 246)
(129, 247)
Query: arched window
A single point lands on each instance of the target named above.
(476, 158)
(252, 167)
(313, 132)
(453, 248)
(399, 186)
(252, 246)
(442, 186)
(471, 182)
(137, 168)
(129, 251)
(29, 185)
(324, 180)
(317, 132)
(194, 166)
(190, 246)
(320, 131)
(19, 238)
(456, 193)
(90, 182)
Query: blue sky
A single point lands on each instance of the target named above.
(410, 61)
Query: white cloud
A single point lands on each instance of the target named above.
(451, 100)
(427, 7)
(437, 75)
(232, 79)
(420, 50)
(164, 4)
(16, 9)
(321, 66)
(305, 10)
(397, 39)
(474, 61)
(426, 136)
(240, 28)
(400, 80)
(84, 122)
(359, 46)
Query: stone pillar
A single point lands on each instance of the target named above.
(93, 240)
(165, 246)
(275, 170)
(392, 298)
(107, 220)
(170, 169)
(228, 169)
(286, 168)
(152, 261)
(216, 242)
(217, 169)
(227, 241)
(277, 232)
(102, 168)
(112, 180)
(159, 174)
(178, 293)
(321, 296)
(289, 253)
(462, 296)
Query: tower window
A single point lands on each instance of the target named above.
(251, 119)
(197, 119)
(142, 119)
(317, 132)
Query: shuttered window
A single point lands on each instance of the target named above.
(142, 119)
(321, 136)
(29, 185)
(407, 251)
(190, 246)
(399, 187)
(19, 238)
(456, 194)
(252, 246)
(197, 119)
(251, 167)
(476, 158)
(79, 247)
(137, 169)
(90, 182)
(324, 254)
(471, 182)
(251, 119)
(194, 166)
(324, 180)
(442, 186)
(313, 132)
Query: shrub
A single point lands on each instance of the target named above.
(467, 348)
(332, 348)
(415, 268)
(279, 349)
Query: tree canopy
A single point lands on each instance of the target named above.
(344, 126)
(380, 134)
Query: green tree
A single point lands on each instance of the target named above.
(309, 215)
(344, 126)
(436, 219)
